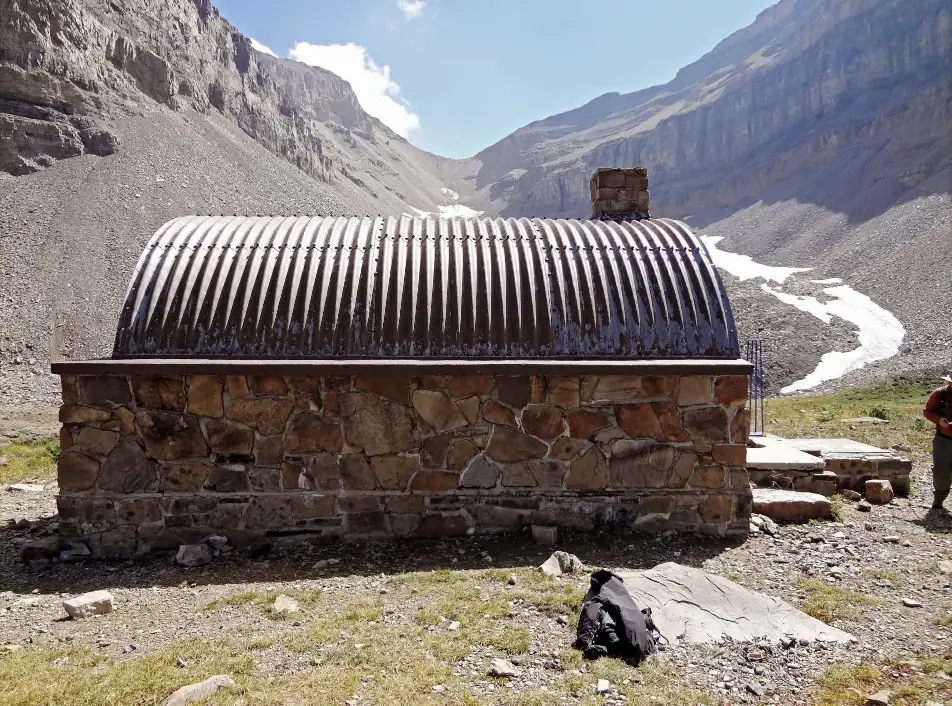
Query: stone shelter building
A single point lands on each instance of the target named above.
(410, 377)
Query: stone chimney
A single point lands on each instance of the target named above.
(620, 194)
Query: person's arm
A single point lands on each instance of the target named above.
(931, 412)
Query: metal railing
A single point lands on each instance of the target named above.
(756, 388)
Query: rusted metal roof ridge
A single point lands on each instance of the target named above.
(300, 287)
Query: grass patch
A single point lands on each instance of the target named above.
(80, 678)
(830, 603)
(29, 461)
(812, 417)
(884, 575)
(838, 508)
(848, 685)
(264, 601)
(944, 620)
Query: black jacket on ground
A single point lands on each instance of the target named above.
(611, 623)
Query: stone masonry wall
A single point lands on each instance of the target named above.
(151, 462)
(619, 192)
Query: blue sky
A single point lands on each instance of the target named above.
(455, 76)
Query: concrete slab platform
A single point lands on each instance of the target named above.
(824, 447)
(776, 454)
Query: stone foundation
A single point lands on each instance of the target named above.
(151, 462)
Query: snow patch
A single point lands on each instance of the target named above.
(743, 266)
(450, 193)
(880, 332)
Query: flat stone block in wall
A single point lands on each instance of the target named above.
(356, 473)
(183, 477)
(128, 470)
(469, 385)
(705, 425)
(481, 473)
(731, 454)
(717, 508)
(588, 472)
(434, 481)
(514, 391)
(654, 420)
(564, 392)
(509, 446)
(168, 435)
(267, 385)
(104, 391)
(205, 395)
(640, 464)
(76, 471)
(375, 425)
(227, 437)
(268, 416)
(310, 432)
(164, 392)
(695, 390)
(230, 478)
(79, 414)
(543, 421)
(730, 389)
(438, 410)
(394, 472)
(268, 450)
(497, 413)
(740, 426)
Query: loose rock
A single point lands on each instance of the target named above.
(503, 668)
(93, 603)
(285, 605)
(197, 692)
(880, 698)
(193, 555)
(561, 563)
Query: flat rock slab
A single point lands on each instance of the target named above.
(773, 454)
(697, 607)
(200, 691)
(791, 505)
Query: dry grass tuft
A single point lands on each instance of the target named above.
(29, 461)
(830, 603)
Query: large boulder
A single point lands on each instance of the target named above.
(694, 606)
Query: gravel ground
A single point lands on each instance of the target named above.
(159, 603)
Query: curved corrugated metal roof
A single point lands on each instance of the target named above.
(298, 287)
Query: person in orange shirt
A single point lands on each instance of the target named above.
(939, 411)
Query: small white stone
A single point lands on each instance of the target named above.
(911, 603)
(454, 626)
(200, 691)
(92, 603)
(603, 686)
(502, 668)
(285, 605)
(27, 488)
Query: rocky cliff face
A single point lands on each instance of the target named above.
(69, 68)
(809, 80)
(118, 116)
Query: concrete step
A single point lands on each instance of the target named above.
(791, 505)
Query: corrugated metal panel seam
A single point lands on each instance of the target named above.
(293, 287)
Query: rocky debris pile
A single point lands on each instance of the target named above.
(40, 135)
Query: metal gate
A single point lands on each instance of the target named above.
(756, 387)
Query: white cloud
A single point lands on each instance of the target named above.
(255, 44)
(378, 94)
(411, 8)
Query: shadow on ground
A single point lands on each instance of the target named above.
(296, 562)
